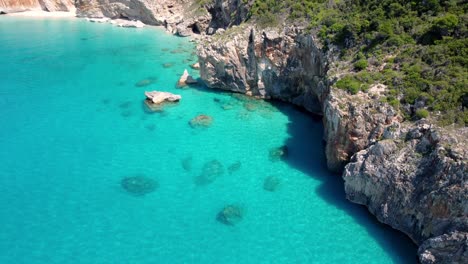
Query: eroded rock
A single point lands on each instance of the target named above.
(156, 100)
(186, 79)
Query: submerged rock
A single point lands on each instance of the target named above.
(201, 121)
(168, 65)
(125, 104)
(139, 185)
(186, 79)
(126, 114)
(280, 153)
(234, 167)
(195, 66)
(249, 106)
(230, 215)
(187, 163)
(271, 183)
(145, 82)
(210, 172)
(150, 127)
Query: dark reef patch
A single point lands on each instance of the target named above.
(230, 215)
(210, 172)
(139, 185)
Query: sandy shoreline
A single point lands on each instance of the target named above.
(45, 14)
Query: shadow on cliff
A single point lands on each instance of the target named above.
(306, 153)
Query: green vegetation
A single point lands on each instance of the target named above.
(422, 113)
(360, 65)
(418, 49)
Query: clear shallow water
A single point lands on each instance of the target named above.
(73, 126)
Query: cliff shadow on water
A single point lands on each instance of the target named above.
(306, 153)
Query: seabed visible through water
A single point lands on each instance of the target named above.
(89, 175)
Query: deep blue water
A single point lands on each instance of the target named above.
(73, 125)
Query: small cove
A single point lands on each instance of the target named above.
(74, 126)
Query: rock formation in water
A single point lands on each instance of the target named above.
(139, 185)
(230, 215)
(156, 100)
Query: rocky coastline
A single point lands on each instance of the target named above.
(412, 176)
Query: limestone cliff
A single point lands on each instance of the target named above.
(182, 17)
(411, 176)
(417, 182)
(289, 66)
(8, 6)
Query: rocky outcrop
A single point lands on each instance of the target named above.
(186, 79)
(157, 97)
(182, 17)
(283, 65)
(416, 180)
(11, 6)
(449, 248)
(291, 66)
(226, 14)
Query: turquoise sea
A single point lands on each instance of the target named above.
(73, 125)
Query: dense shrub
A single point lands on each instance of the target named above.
(360, 65)
(422, 113)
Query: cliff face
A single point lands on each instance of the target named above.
(8, 6)
(289, 66)
(411, 176)
(417, 182)
(182, 17)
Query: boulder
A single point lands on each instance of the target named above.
(210, 172)
(230, 215)
(145, 82)
(186, 79)
(139, 185)
(195, 66)
(234, 167)
(201, 121)
(278, 153)
(271, 183)
(156, 100)
(157, 97)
